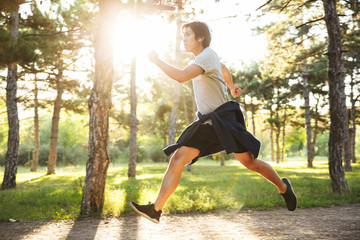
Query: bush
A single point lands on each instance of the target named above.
(321, 146)
(25, 154)
(151, 148)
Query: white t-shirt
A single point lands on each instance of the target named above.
(209, 87)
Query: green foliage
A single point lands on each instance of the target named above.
(20, 51)
(151, 148)
(3, 132)
(295, 141)
(321, 147)
(72, 140)
(209, 187)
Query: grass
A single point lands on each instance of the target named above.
(209, 187)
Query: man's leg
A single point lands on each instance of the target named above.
(172, 175)
(170, 181)
(284, 185)
(259, 166)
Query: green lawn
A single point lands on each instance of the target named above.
(209, 187)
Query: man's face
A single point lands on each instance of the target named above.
(190, 43)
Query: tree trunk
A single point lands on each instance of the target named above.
(133, 121)
(316, 126)
(222, 158)
(99, 107)
(176, 94)
(347, 146)
(353, 120)
(277, 141)
(283, 136)
(174, 113)
(133, 118)
(55, 119)
(35, 155)
(277, 136)
(186, 112)
(310, 156)
(12, 152)
(271, 137)
(336, 96)
(313, 142)
(252, 116)
(188, 121)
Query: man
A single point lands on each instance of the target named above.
(220, 125)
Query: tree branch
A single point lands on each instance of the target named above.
(48, 34)
(285, 5)
(269, 1)
(357, 98)
(312, 21)
(309, 1)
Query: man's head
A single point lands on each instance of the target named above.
(201, 30)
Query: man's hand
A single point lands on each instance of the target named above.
(235, 91)
(153, 56)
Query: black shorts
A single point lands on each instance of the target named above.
(205, 138)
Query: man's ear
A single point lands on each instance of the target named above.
(200, 39)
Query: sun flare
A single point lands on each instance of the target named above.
(137, 37)
(140, 35)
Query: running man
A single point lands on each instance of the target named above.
(220, 124)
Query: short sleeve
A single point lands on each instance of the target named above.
(205, 60)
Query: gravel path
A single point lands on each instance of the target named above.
(338, 222)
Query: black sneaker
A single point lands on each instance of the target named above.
(289, 196)
(147, 211)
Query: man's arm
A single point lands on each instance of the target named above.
(179, 75)
(235, 90)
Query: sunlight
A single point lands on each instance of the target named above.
(138, 36)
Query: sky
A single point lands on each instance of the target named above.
(232, 37)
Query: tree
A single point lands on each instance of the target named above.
(56, 117)
(295, 47)
(11, 103)
(58, 47)
(314, 74)
(249, 80)
(99, 106)
(177, 86)
(338, 113)
(310, 146)
(351, 28)
(36, 152)
(339, 137)
(352, 116)
(133, 120)
(143, 7)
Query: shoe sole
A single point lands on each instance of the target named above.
(291, 188)
(143, 214)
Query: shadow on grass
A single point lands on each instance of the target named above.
(132, 191)
(31, 180)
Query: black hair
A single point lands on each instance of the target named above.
(200, 29)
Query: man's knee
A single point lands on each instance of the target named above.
(184, 155)
(177, 160)
(251, 165)
(248, 160)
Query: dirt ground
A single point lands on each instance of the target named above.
(338, 222)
